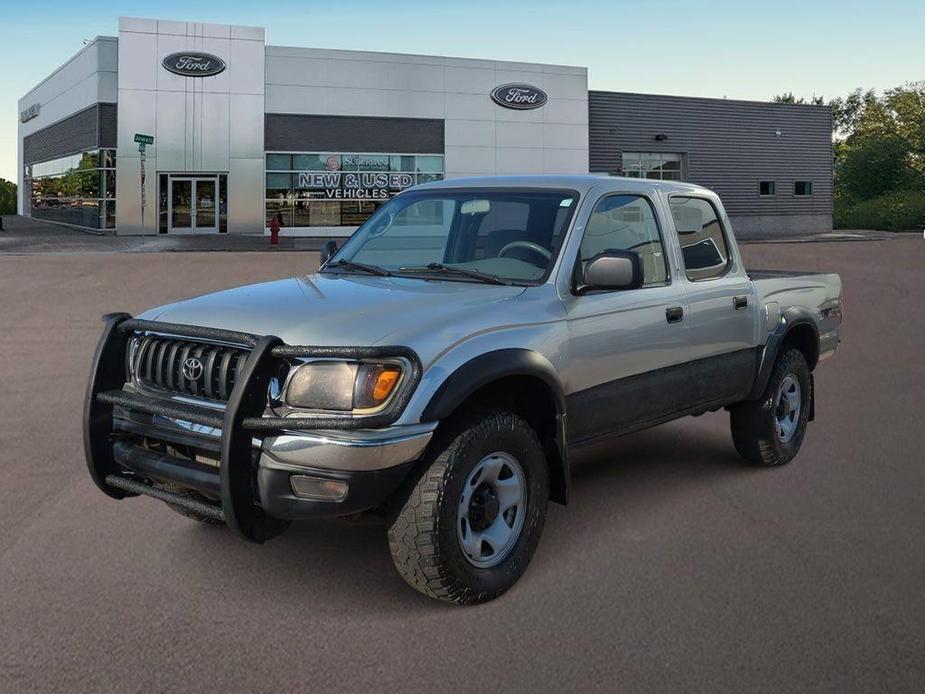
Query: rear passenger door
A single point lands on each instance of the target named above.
(627, 348)
(722, 308)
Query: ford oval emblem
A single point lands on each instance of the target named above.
(519, 96)
(192, 64)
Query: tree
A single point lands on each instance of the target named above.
(883, 145)
(873, 166)
(7, 197)
(789, 98)
(847, 111)
(907, 106)
(879, 145)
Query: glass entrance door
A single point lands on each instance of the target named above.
(192, 204)
(205, 203)
(181, 204)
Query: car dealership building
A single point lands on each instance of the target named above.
(177, 127)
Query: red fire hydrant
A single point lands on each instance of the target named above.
(274, 231)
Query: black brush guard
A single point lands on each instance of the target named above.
(242, 419)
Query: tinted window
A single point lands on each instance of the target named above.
(279, 162)
(766, 188)
(803, 188)
(701, 235)
(626, 223)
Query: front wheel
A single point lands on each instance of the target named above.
(471, 518)
(770, 431)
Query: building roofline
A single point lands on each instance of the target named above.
(87, 46)
(429, 56)
(707, 98)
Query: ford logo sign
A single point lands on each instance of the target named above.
(519, 96)
(193, 64)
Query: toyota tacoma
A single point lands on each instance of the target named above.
(440, 368)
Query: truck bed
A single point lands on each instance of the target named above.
(788, 293)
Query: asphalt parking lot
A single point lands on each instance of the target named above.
(675, 568)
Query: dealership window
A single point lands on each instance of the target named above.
(324, 189)
(78, 189)
(802, 188)
(703, 244)
(663, 166)
(767, 189)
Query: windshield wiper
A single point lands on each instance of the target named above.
(452, 270)
(362, 267)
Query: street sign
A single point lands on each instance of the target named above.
(143, 140)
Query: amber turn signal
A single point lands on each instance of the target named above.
(385, 382)
(374, 384)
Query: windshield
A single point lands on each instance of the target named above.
(464, 235)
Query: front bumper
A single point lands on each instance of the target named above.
(372, 463)
(242, 462)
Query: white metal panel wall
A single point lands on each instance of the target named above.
(87, 78)
(209, 124)
(481, 137)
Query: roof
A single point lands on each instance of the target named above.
(581, 183)
(709, 100)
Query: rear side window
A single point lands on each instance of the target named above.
(703, 243)
(626, 223)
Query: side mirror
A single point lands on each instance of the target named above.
(613, 270)
(327, 250)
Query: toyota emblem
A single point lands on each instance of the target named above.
(192, 369)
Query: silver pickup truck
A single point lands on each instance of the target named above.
(445, 361)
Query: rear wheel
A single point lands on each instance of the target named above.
(770, 431)
(470, 520)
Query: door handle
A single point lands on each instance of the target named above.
(740, 302)
(675, 314)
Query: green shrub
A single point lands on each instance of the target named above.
(899, 211)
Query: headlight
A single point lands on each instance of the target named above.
(342, 386)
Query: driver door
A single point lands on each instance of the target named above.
(628, 348)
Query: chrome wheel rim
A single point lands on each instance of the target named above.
(787, 408)
(492, 507)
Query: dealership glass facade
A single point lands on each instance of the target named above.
(316, 189)
(78, 189)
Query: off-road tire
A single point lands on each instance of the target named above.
(754, 425)
(423, 533)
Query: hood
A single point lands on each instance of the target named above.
(332, 310)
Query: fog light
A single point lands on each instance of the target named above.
(317, 488)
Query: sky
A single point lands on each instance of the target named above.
(735, 49)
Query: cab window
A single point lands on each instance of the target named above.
(626, 223)
(703, 243)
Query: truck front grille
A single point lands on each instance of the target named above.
(198, 369)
